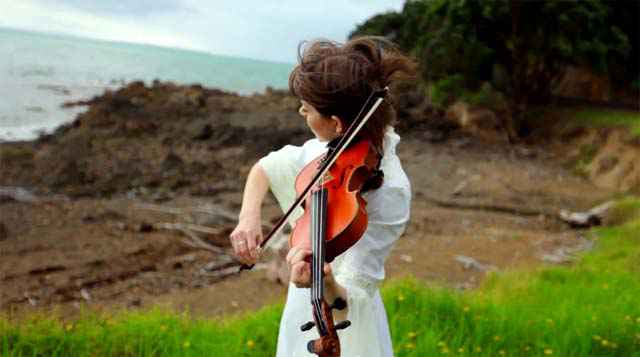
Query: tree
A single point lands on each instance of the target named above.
(521, 48)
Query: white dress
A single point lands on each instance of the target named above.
(361, 268)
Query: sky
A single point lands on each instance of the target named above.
(260, 29)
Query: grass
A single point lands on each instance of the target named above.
(609, 118)
(588, 309)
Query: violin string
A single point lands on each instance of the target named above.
(315, 300)
(321, 250)
(313, 261)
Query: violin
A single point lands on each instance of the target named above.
(334, 218)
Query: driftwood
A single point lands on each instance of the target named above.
(592, 217)
(276, 268)
(211, 209)
(194, 241)
(20, 194)
(519, 211)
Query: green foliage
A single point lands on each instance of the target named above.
(446, 90)
(624, 211)
(486, 97)
(608, 118)
(520, 47)
(16, 154)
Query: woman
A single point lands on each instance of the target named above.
(332, 82)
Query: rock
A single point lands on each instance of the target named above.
(4, 232)
(566, 254)
(85, 294)
(172, 161)
(479, 122)
(18, 194)
(205, 133)
(558, 256)
(470, 263)
(582, 82)
(144, 227)
(406, 258)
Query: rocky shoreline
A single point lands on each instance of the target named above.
(78, 223)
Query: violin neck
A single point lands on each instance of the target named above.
(319, 207)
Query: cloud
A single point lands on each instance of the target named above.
(121, 8)
(249, 28)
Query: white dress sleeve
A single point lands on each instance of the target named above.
(282, 167)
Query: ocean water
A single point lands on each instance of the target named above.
(39, 72)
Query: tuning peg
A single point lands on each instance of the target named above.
(311, 347)
(343, 325)
(339, 304)
(308, 326)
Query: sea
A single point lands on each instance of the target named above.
(39, 72)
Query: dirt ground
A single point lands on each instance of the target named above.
(495, 203)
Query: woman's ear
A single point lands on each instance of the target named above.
(339, 127)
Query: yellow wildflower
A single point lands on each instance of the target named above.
(605, 342)
(442, 343)
(597, 338)
(409, 346)
(69, 327)
(460, 350)
(548, 351)
(412, 335)
(502, 352)
(400, 297)
(186, 344)
(251, 344)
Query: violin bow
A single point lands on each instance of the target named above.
(377, 97)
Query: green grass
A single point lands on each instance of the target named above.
(588, 309)
(608, 118)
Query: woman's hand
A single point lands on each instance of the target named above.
(301, 269)
(246, 238)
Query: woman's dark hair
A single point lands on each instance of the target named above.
(336, 79)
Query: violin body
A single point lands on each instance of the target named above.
(346, 215)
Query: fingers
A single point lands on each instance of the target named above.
(297, 254)
(245, 245)
(252, 244)
(301, 274)
(327, 269)
(300, 268)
